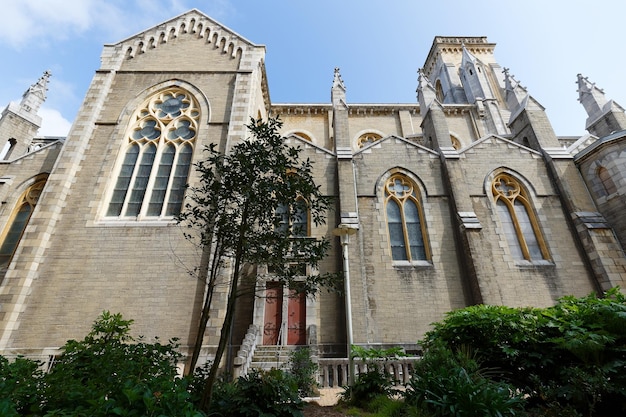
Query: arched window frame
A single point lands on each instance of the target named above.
(439, 91)
(27, 200)
(367, 138)
(510, 193)
(156, 158)
(296, 218)
(402, 191)
(608, 185)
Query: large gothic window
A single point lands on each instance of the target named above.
(155, 164)
(517, 218)
(18, 220)
(405, 220)
(294, 218)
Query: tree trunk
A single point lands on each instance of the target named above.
(207, 393)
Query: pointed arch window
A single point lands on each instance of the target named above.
(439, 91)
(518, 220)
(155, 164)
(294, 218)
(18, 221)
(608, 185)
(405, 220)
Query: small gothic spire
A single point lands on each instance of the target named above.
(516, 94)
(590, 96)
(426, 93)
(337, 81)
(34, 97)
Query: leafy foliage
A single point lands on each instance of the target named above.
(20, 386)
(263, 394)
(107, 374)
(570, 356)
(303, 370)
(449, 383)
(376, 381)
(243, 212)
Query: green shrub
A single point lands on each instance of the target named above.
(569, 356)
(448, 383)
(20, 386)
(107, 374)
(304, 371)
(272, 393)
(376, 381)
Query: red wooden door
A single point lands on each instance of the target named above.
(273, 313)
(296, 319)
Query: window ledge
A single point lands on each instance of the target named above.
(536, 263)
(131, 222)
(412, 264)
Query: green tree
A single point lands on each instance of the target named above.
(245, 211)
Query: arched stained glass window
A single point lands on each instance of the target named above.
(517, 218)
(18, 221)
(405, 220)
(157, 157)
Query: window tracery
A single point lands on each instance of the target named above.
(405, 220)
(367, 139)
(158, 151)
(520, 225)
(19, 220)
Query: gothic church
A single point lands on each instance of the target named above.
(466, 196)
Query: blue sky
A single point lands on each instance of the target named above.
(379, 45)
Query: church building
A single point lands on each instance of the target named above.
(463, 197)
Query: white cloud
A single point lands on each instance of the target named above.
(53, 123)
(23, 20)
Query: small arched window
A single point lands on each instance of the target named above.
(456, 144)
(518, 219)
(158, 149)
(608, 186)
(439, 91)
(367, 139)
(18, 221)
(405, 220)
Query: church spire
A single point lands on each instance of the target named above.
(426, 93)
(338, 90)
(598, 108)
(34, 97)
(516, 94)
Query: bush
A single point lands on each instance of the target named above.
(570, 356)
(447, 383)
(106, 374)
(304, 371)
(374, 383)
(20, 386)
(272, 393)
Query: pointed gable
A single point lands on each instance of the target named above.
(201, 42)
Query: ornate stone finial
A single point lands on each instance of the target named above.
(337, 81)
(426, 93)
(516, 94)
(34, 97)
(590, 96)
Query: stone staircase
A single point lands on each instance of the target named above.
(271, 356)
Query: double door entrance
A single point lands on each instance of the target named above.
(284, 320)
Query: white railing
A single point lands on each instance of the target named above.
(246, 352)
(333, 373)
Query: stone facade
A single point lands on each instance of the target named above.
(466, 196)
